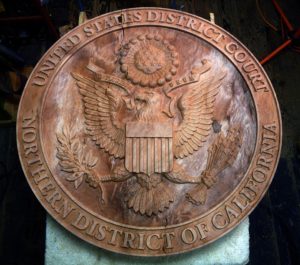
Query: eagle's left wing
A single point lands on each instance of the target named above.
(196, 107)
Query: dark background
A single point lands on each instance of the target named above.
(27, 30)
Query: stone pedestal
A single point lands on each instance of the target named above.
(65, 249)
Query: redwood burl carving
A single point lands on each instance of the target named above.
(149, 131)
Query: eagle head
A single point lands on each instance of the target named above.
(147, 105)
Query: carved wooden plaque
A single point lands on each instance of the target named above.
(149, 131)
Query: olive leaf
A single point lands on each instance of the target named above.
(74, 159)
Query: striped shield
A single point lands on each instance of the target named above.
(149, 147)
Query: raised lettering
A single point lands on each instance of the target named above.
(189, 235)
(168, 241)
(149, 242)
(219, 221)
(128, 240)
(114, 236)
(65, 209)
(81, 221)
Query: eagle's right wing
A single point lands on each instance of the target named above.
(100, 110)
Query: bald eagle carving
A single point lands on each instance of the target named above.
(136, 126)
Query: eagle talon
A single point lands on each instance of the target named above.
(208, 179)
(91, 180)
(197, 195)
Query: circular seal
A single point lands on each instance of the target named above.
(149, 131)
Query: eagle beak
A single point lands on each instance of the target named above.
(169, 106)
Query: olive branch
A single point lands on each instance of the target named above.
(74, 158)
